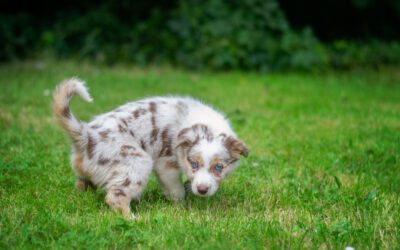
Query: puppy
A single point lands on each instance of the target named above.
(170, 135)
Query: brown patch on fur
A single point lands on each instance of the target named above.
(115, 162)
(103, 161)
(126, 182)
(143, 145)
(203, 131)
(76, 138)
(139, 183)
(119, 192)
(235, 147)
(104, 134)
(77, 162)
(129, 150)
(91, 144)
(152, 107)
(166, 149)
(96, 126)
(155, 130)
(138, 112)
(125, 150)
(183, 132)
(197, 158)
(131, 133)
(66, 112)
(122, 129)
(123, 154)
(171, 164)
(124, 122)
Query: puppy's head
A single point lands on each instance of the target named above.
(207, 158)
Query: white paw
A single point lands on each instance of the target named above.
(132, 217)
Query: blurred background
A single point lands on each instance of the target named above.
(257, 35)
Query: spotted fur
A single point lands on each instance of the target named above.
(170, 135)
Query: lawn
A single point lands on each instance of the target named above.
(323, 170)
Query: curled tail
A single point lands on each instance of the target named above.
(61, 99)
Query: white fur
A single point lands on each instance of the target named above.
(81, 89)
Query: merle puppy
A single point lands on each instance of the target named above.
(171, 135)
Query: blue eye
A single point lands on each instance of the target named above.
(218, 167)
(194, 164)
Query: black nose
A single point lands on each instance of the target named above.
(202, 189)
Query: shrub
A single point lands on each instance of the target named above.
(17, 38)
(251, 34)
(214, 34)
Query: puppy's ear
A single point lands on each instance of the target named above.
(236, 147)
(185, 143)
(186, 138)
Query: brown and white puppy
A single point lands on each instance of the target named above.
(118, 150)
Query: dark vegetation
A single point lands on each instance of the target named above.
(251, 34)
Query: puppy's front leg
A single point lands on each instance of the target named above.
(169, 176)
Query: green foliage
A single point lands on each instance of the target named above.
(215, 34)
(323, 170)
(17, 38)
(251, 34)
(96, 34)
(344, 54)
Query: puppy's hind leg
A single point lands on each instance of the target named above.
(81, 184)
(82, 176)
(119, 200)
(129, 180)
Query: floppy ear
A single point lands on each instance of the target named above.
(236, 147)
(186, 138)
(185, 143)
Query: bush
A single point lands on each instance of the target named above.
(344, 54)
(251, 34)
(214, 34)
(17, 38)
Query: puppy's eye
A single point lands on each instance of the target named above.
(194, 164)
(218, 167)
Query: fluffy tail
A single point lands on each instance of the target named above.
(61, 99)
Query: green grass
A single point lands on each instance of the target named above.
(323, 171)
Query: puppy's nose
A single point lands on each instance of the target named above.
(202, 188)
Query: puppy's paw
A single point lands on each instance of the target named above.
(81, 185)
(131, 217)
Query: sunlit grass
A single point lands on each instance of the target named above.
(323, 171)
